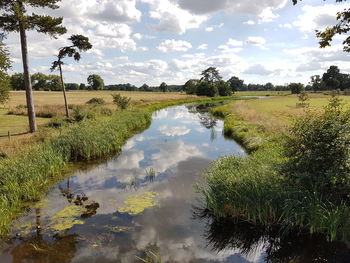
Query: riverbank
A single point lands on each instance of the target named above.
(25, 175)
(265, 188)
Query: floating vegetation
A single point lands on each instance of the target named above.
(118, 229)
(150, 174)
(24, 229)
(67, 218)
(133, 181)
(136, 204)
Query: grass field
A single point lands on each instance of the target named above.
(19, 124)
(262, 93)
(274, 113)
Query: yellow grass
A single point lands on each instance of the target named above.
(276, 113)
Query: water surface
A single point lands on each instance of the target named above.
(143, 200)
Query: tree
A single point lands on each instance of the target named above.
(224, 88)
(211, 75)
(332, 77)
(5, 64)
(145, 87)
(39, 81)
(17, 81)
(79, 43)
(296, 88)
(316, 83)
(342, 27)
(163, 87)
(191, 85)
(96, 82)
(82, 86)
(207, 89)
(235, 83)
(14, 18)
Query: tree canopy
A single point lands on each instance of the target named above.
(96, 82)
(5, 64)
(211, 75)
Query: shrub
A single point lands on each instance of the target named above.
(207, 89)
(122, 102)
(318, 150)
(98, 101)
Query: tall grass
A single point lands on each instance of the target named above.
(26, 177)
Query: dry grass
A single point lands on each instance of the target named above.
(276, 113)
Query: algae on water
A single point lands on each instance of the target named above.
(136, 204)
(67, 218)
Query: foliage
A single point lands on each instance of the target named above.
(224, 88)
(190, 86)
(316, 83)
(123, 102)
(342, 27)
(235, 83)
(5, 64)
(98, 101)
(163, 87)
(211, 75)
(207, 89)
(303, 97)
(296, 88)
(96, 82)
(318, 151)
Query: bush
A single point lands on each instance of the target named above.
(207, 89)
(98, 101)
(319, 150)
(224, 88)
(122, 102)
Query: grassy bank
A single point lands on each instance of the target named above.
(277, 185)
(26, 177)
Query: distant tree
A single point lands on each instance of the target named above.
(207, 89)
(96, 82)
(39, 81)
(344, 81)
(211, 75)
(82, 86)
(14, 18)
(145, 87)
(163, 87)
(235, 83)
(190, 86)
(53, 83)
(342, 27)
(72, 86)
(316, 83)
(79, 43)
(269, 86)
(332, 77)
(224, 88)
(17, 81)
(296, 88)
(5, 64)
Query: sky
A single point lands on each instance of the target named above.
(154, 41)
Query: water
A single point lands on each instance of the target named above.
(143, 201)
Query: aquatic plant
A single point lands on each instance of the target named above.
(136, 204)
(150, 174)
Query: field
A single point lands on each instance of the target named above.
(19, 124)
(275, 113)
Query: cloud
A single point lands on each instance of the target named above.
(172, 131)
(256, 41)
(318, 17)
(288, 26)
(174, 45)
(172, 18)
(203, 47)
(257, 69)
(249, 22)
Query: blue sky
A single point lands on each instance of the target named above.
(151, 41)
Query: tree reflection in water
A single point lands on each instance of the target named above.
(296, 246)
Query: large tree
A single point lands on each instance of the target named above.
(163, 87)
(316, 83)
(235, 83)
(79, 43)
(211, 75)
(14, 18)
(341, 28)
(332, 77)
(96, 82)
(5, 64)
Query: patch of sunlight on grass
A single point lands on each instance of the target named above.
(136, 204)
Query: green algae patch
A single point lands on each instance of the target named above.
(136, 204)
(67, 218)
(24, 229)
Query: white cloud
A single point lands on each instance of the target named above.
(267, 15)
(137, 36)
(257, 69)
(203, 47)
(172, 131)
(318, 17)
(234, 43)
(172, 18)
(256, 41)
(288, 26)
(249, 22)
(209, 29)
(174, 45)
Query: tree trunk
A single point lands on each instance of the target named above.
(64, 92)
(27, 80)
